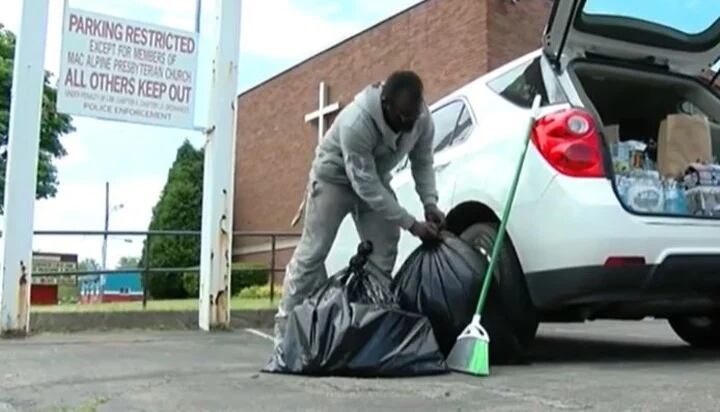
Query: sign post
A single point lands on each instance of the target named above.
(117, 69)
(218, 181)
(21, 175)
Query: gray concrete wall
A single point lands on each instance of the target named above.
(157, 320)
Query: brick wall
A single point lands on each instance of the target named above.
(445, 41)
(515, 29)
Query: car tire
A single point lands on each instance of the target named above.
(509, 315)
(700, 332)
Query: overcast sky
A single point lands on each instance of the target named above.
(275, 35)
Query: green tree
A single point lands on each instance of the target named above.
(53, 125)
(128, 262)
(179, 208)
(88, 264)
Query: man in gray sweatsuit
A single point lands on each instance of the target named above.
(351, 175)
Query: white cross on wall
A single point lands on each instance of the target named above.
(322, 111)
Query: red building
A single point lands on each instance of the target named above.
(45, 290)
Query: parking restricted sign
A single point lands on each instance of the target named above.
(117, 69)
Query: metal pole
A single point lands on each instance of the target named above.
(22, 160)
(146, 271)
(198, 9)
(272, 268)
(218, 180)
(107, 218)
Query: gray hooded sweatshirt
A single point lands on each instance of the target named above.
(361, 150)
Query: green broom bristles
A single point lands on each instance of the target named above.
(471, 353)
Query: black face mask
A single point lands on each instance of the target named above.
(406, 125)
(399, 122)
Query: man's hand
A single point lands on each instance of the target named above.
(435, 215)
(425, 230)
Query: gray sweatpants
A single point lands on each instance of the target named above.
(326, 207)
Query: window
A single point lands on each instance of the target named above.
(464, 126)
(522, 83)
(453, 124)
(445, 119)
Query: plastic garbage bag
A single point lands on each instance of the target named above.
(442, 280)
(353, 326)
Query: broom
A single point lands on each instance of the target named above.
(471, 352)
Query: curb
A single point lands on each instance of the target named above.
(157, 320)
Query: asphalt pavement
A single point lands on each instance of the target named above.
(599, 366)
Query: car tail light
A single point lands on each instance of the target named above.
(624, 261)
(570, 142)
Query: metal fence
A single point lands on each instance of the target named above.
(147, 270)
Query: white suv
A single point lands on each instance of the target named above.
(575, 251)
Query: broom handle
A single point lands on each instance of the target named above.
(506, 212)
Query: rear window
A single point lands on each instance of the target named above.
(680, 24)
(521, 84)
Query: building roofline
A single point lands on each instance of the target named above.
(334, 46)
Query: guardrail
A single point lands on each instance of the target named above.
(147, 270)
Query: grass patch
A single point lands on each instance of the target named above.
(236, 303)
(91, 405)
(67, 293)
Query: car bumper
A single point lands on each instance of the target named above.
(679, 282)
(579, 224)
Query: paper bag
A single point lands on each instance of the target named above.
(683, 140)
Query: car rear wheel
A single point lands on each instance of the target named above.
(509, 315)
(700, 332)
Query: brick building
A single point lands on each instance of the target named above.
(448, 42)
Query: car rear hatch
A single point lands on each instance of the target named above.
(668, 37)
(682, 35)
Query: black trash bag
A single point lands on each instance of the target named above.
(353, 326)
(442, 280)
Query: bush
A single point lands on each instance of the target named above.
(166, 286)
(259, 292)
(191, 283)
(244, 275)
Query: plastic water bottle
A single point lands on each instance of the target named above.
(645, 193)
(681, 203)
(670, 196)
(675, 200)
(621, 182)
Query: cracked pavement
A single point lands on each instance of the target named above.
(600, 366)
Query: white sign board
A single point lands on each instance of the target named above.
(118, 69)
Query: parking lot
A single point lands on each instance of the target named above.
(603, 366)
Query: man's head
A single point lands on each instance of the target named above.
(402, 100)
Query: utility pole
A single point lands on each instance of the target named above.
(107, 220)
(218, 180)
(108, 210)
(21, 178)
